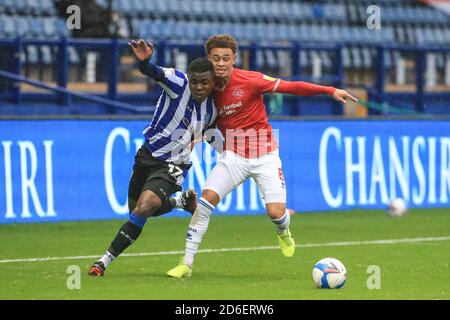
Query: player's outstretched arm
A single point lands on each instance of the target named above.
(142, 50)
(343, 96)
(301, 88)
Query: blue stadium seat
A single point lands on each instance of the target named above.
(190, 30)
(241, 9)
(124, 30)
(126, 7)
(353, 13)
(275, 10)
(203, 29)
(419, 35)
(237, 29)
(326, 59)
(214, 9)
(438, 36)
(21, 6)
(32, 54)
(388, 59)
(49, 27)
(10, 6)
(148, 8)
(176, 30)
(208, 9)
(304, 59)
(446, 32)
(37, 26)
(285, 13)
(259, 59)
(335, 34)
(429, 35)
(46, 55)
(293, 32)
(294, 10)
(60, 26)
(47, 7)
(173, 7)
(22, 27)
(366, 58)
(139, 9)
(324, 33)
(74, 57)
(34, 7)
(259, 32)
(154, 29)
(271, 58)
(9, 26)
(244, 30)
(346, 57)
(282, 32)
(345, 33)
(135, 22)
(196, 8)
(161, 8)
(356, 57)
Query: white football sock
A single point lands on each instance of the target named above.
(197, 229)
(107, 259)
(178, 203)
(283, 222)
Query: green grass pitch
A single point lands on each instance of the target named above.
(410, 269)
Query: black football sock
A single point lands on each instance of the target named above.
(127, 234)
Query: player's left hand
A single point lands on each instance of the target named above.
(342, 96)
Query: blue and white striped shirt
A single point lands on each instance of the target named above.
(179, 119)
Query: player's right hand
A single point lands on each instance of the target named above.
(141, 49)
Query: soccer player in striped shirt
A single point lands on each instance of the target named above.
(250, 149)
(184, 111)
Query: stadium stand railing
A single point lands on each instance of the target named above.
(287, 60)
(290, 39)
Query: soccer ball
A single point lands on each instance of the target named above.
(329, 273)
(397, 208)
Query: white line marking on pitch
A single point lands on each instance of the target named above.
(308, 245)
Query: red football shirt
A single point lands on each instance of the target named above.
(242, 116)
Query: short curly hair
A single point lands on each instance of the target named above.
(221, 41)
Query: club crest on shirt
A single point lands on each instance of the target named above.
(238, 93)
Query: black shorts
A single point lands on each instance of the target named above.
(155, 175)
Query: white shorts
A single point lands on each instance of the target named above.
(232, 170)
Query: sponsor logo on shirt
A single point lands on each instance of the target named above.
(230, 109)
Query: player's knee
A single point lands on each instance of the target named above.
(131, 204)
(211, 196)
(276, 210)
(147, 204)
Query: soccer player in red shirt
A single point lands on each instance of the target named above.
(250, 149)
